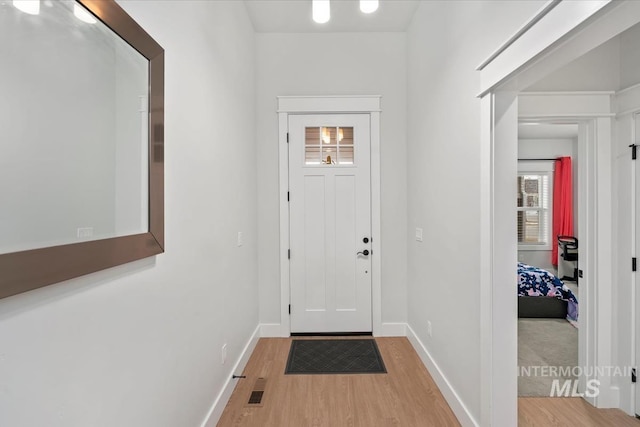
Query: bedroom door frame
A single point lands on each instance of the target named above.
(594, 225)
(595, 244)
(364, 104)
(559, 33)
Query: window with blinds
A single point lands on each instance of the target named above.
(534, 209)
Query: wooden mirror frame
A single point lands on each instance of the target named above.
(31, 269)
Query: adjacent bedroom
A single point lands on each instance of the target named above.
(548, 252)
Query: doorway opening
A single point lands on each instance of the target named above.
(607, 308)
(548, 293)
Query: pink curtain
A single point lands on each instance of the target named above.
(562, 204)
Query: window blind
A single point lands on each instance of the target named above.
(534, 209)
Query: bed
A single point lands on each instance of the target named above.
(542, 294)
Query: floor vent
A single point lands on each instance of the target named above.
(256, 397)
(258, 392)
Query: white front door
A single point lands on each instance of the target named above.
(330, 222)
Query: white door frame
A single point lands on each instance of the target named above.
(633, 397)
(553, 38)
(330, 105)
(592, 112)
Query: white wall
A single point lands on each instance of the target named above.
(624, 296)
(550, 149)
(140, 345)
(625, 171)
(334, 64)
(611, 66)
(598, 69)
(624, 300)
(447, 40)
(630, 57)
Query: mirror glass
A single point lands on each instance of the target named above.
(73, 128)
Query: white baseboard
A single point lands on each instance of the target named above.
(275, 330)
(392, 330)
(219, 404)
(457, 406)
(272, 330)
(611, 397)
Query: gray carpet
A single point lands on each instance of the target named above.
(544, 342)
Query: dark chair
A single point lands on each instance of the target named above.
(568, 250)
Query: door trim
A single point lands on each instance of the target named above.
(593, 113)
(369, 104)
(595, 244)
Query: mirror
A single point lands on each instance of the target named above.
(81, 152)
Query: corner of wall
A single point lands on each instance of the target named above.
(392, 330)
(273, 330)
(217, 408)
(446, 388)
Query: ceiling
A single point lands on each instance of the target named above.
(547, 131)
(294, 16)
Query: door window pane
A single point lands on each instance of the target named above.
(312, 155)
(346, 155)
(329, 145)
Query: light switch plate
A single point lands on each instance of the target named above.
(419, 234)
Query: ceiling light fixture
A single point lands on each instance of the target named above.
(326, 135)
(368, 6)
(32, 7)
(321, 11)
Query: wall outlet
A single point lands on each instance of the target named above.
(84, 232)
(429, 330)
(224, 353)
(240, 238)
(419, 234)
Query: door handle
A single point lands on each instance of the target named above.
(365, 252)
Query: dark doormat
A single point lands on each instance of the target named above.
(334, 357)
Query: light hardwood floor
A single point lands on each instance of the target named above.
(569, 411)
(404, 397)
